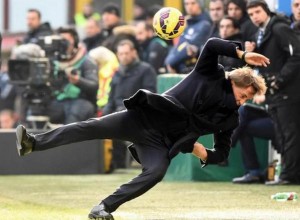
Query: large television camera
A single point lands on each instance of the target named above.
(33, 64)
(33, 72)
(32, 69)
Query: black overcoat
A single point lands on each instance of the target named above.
(203, 103)
(282, 46)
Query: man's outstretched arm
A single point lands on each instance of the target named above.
(253, 58)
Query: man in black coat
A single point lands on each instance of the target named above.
(36, 28)
(161, 126)
(131, 76)
(237, 10)
(229, 29)
(153, 49)
(276, 40)
(94, 35)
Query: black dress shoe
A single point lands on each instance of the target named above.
(246, 179)
(99, 213)
(278, 182)
(25, 142)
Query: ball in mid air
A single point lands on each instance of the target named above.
(169, 23)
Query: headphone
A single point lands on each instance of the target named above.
(262, 3)
(71, 31)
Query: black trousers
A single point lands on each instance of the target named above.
(287, 126)
(254, 122)
(126, 125)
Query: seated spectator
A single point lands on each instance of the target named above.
(153, 49)
(36, 27)
(123, 32)
(139, 10)
(182, 58)
(131, 76)
(7, 119)
(229, 29)
(111, 18)
(237, 9)
(94, 36)
(87, 12)
(255, 122)
(216, 13)
(150, 12)
(76, 83)
(108, 65)
(295, 16)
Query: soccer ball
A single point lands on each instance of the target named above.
(168, 23)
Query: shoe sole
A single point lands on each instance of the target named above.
(92, 216)
(20, 133)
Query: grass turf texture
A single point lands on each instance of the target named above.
(71, 197)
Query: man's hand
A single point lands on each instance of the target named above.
(250, 46)
(253, 58)
(170, 69)
(200, 151)
(73, 76)
(258, 99)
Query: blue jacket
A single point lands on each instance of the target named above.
(196, 33)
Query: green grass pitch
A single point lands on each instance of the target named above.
(65, 197)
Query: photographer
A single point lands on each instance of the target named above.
(76, 82)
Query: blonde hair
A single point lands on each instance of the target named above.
(245, 77)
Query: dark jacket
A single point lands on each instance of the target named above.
(124, 84)
(196, 33)
(42, 31)
(230, 63)
(281, 45)
(202, 103)
(154, 52)
(248, 29)
(94, 41)
(88, 81)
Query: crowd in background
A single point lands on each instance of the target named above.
(108, 60)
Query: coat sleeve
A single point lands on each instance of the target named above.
(208, 59)
(88, 82)
(221, 149)
(157, 54)
(289, 42)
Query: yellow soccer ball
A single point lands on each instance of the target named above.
(169, 23)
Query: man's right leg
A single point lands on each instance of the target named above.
(155, 161)
(125, 125)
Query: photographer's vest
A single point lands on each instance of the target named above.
(69, 91)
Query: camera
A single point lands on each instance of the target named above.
(33, 70)
(34, 64)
